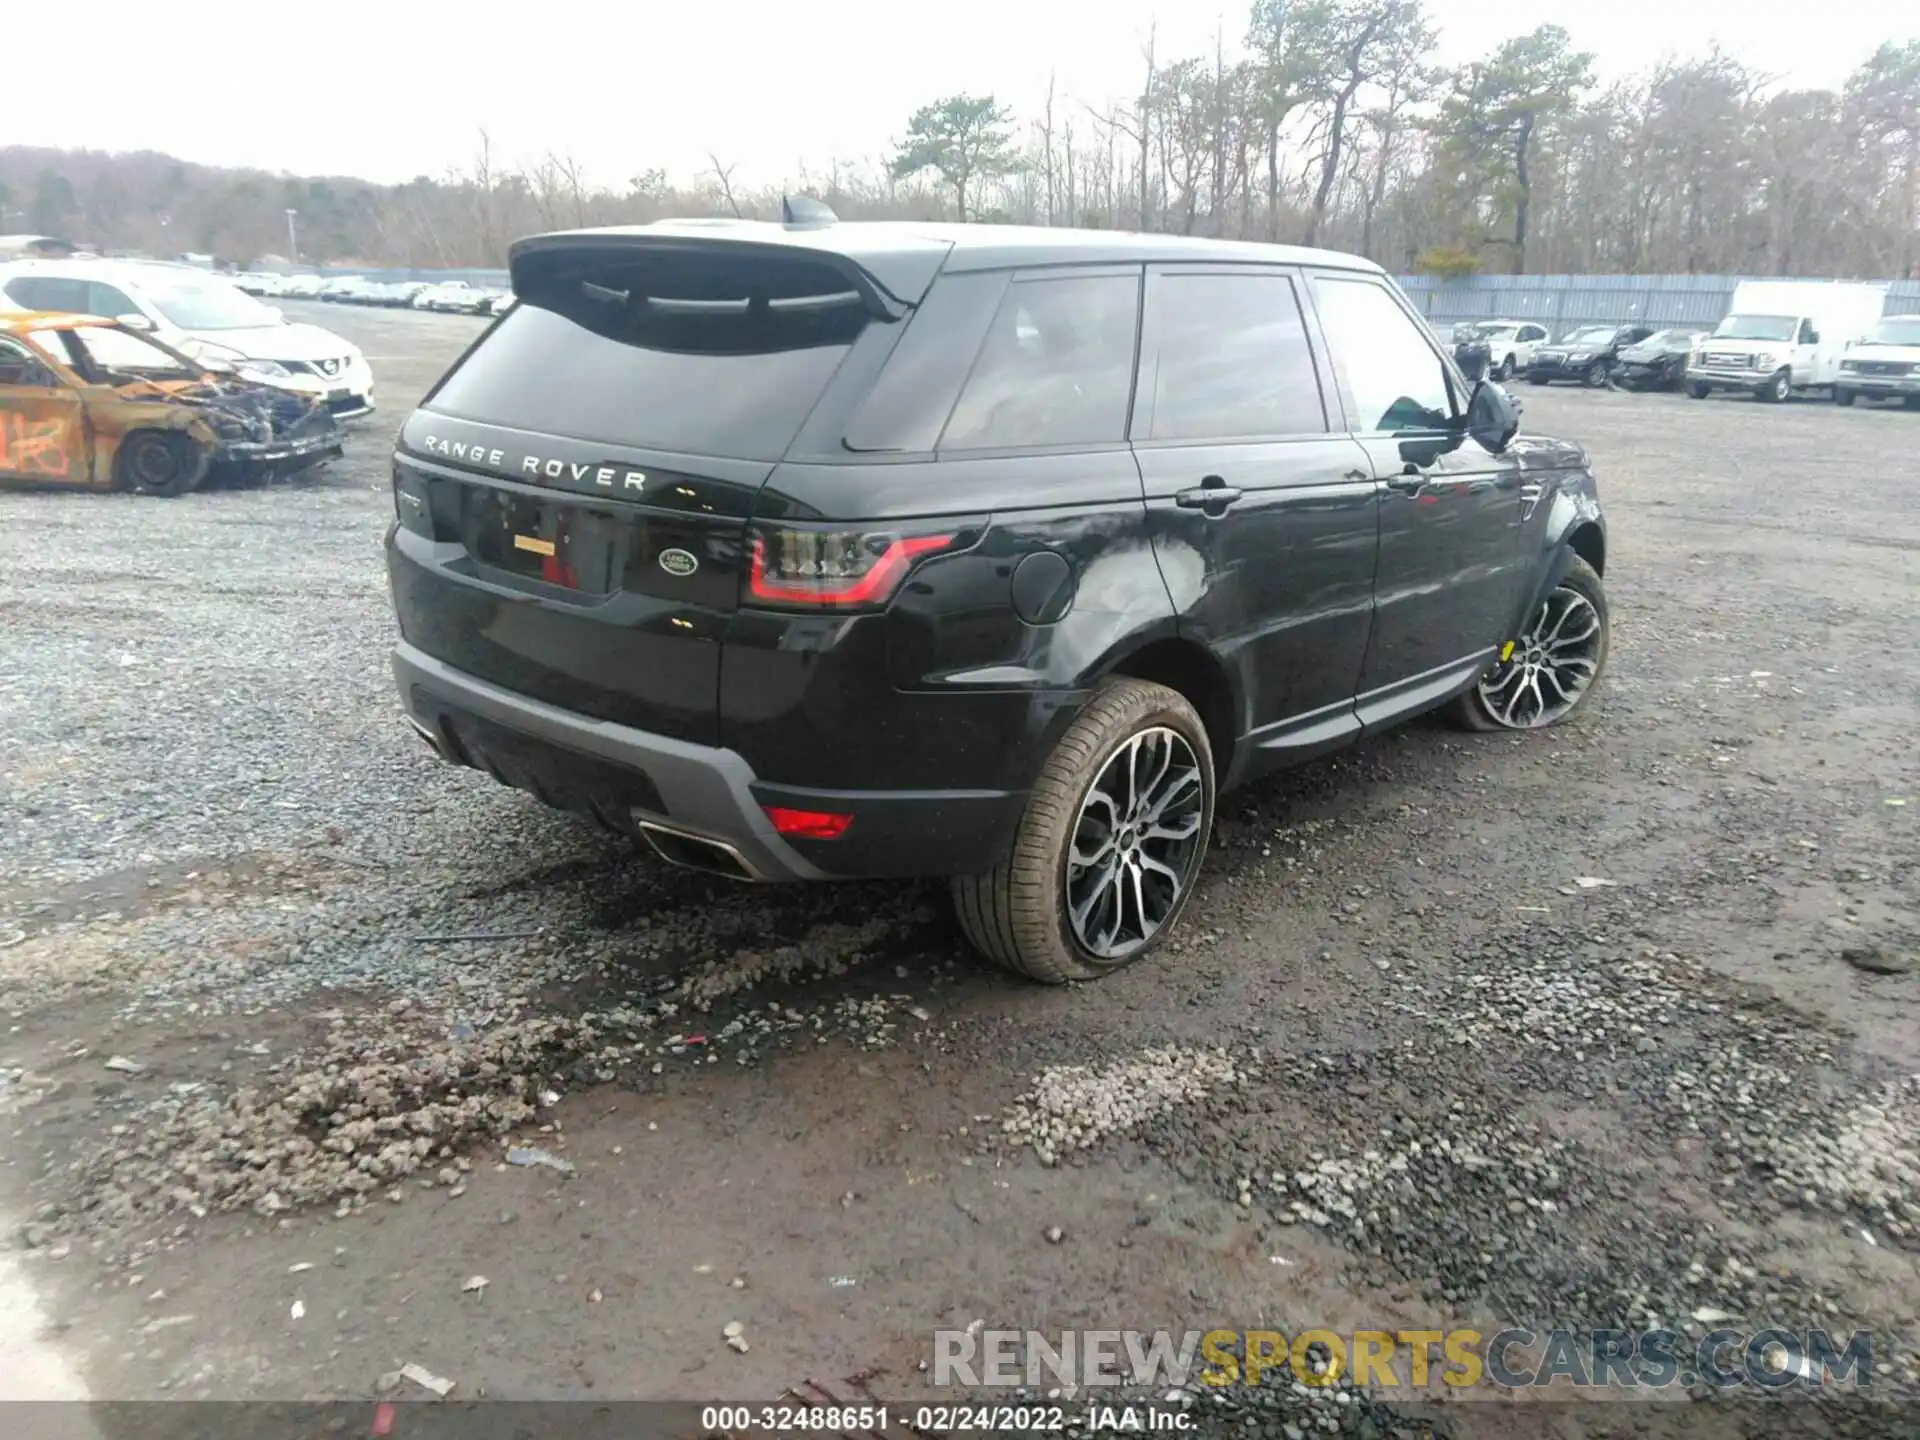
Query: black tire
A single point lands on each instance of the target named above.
(1843, 397)
(1697, 390)
(1017, 913)
(1778, 387)
(1473, 710)
(1536, 379)
(1595, 375)
(1505, 372)
(160, 463)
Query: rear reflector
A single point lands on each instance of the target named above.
(808, 824)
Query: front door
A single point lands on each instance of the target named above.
(43, 425)
(1264, 517)
(1806, 367)
(1451, 558)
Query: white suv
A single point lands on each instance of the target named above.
(204, 316)
(1509, 343)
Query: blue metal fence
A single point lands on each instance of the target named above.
(1561, 302)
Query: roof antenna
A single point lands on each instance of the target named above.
(803, 212)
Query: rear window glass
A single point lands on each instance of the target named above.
(1056, 367)
(687, 353)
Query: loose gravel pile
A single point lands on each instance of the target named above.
(376, 1105)
(1075, 1107)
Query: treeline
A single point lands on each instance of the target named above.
(1327, 123)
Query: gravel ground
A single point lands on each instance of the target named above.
(1607, 1027)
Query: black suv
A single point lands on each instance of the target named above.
(1586, 355)
(815, 550)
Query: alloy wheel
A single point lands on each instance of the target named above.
(1551, 665)
(1136, 843)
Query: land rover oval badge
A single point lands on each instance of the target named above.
(678, 562)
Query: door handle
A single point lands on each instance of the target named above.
(1409, 480)
(1212, 495)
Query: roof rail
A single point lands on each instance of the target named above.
(803, 212)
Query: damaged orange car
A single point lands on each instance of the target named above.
(92, 402)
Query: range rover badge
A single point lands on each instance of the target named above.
(678, 562)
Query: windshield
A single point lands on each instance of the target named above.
(1756, 327)
(207, 305)
(1590, 335)
(1484, 332)
(1902, 330)
(109, 352)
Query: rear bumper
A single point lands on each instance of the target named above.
(631, 779)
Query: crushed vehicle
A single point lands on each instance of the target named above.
(90, 403)
(1658, 362)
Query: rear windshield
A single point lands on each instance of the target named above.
(687, 353)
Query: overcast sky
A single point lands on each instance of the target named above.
(396, 89)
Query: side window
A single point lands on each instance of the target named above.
(108, 300)
(1806, 333)
(1395, 377)
(1056, 367)
(19, 366)
(1533, 332)
(910, 402)
(1228, 359)
(47, 292)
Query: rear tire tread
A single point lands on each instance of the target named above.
(1010, 913)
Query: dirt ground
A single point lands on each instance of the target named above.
(1608, 1026)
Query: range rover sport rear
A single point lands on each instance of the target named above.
(583, 510)
(817, 550)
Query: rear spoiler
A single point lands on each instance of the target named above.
(889, 282)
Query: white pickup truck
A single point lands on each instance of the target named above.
(1783, 337)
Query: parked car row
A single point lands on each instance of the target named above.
(448, 295)
(1779, 338)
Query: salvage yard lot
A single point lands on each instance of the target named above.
(1603, 1026)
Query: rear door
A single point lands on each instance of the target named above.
(1264, 517)
(573, 496)
(1450, 517)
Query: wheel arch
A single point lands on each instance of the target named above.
(1589, 542)
(1193, 671)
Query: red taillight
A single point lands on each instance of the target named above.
(833, 569)
(808, 824)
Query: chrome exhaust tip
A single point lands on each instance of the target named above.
(434, 742)
(696, 852)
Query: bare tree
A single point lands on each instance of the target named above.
(723, 177)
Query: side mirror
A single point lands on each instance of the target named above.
(1493, 417)
(134, 322)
